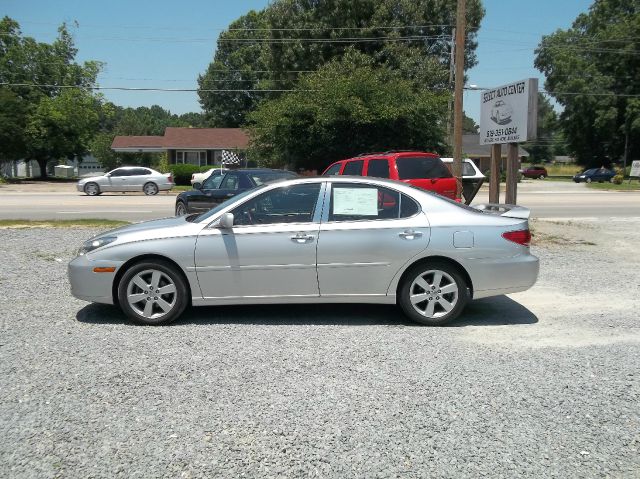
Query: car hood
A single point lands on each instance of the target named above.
(91, 178)
(160, 228)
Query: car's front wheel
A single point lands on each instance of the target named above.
(181, 208)
(150, 189)
(433, 293)
(542, 177)
(153, 292)
(92, 189)
(588, 180)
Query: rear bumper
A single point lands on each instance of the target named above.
(493, 277)
(90, 286)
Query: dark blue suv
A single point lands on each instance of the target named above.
(594, 174)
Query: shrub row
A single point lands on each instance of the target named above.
(182, 173)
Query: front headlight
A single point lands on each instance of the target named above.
(91, 245)
(582, 176)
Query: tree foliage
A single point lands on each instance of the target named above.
(350, 105)
(543, 148)
(593, 70)
(273, 48)
(48, 108)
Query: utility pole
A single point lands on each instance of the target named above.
(457, 99)
(452, 66)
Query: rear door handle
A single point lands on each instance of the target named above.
(302, 238)
(410, 234)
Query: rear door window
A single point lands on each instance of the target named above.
(353, 168)
(378, 168)
(411, 168)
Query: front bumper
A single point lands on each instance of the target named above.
(90, 286)
(80, 187)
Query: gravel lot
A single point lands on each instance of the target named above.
(538, 384)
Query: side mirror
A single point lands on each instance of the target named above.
(197, 185)
(226, 221)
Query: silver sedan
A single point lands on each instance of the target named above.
(313, 240)
(127, 178)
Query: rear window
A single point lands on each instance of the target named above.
(410, 168)
(268, 177)
(333, 170)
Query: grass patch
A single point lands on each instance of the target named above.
(79, 223)
(625, 186)
(181, 188)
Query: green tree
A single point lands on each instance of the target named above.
(270, 50)
(542, 148)
(593, 70)
(48, 108)
(348, 106)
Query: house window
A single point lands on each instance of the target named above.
(198, 158)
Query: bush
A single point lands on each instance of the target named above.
(182, 173)
(618, 179)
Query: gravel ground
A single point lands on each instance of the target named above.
(538, 384)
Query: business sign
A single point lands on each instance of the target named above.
(635, 168)
(509, 113)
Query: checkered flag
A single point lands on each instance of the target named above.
(230, 158)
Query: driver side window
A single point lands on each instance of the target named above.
(291, 204)
(213, 182)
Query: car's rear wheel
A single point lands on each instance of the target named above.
(153, 292)
(433, 293)
(150, 189)
(181, 208)
(542, 177)
(92, 189)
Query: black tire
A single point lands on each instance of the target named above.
(159, 317)
(150, 188)
(542, 177)
(181, 208)
(92, 189)
(588, 180)
(439, 316)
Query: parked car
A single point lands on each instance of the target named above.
(424, 170)
(594, 174)
(217, 188)
(313, 240)
(127, 178)
(200, 177)
(536, 171)
(472, 178)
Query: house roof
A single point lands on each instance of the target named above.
(472, 148)
(187, 138)
(137, 142)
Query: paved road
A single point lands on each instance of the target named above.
(547, 199)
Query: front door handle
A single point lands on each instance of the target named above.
(410, 234)
(302, 238)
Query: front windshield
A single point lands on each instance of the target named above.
(224, 204)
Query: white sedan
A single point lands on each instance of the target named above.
(127, 178)
(200, 177)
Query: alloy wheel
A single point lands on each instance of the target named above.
(180, 209)
(433, 294)
(152, 294)
(150, 189)
(91, 189)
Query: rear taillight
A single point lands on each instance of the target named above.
(522, 237)
(170, 177)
